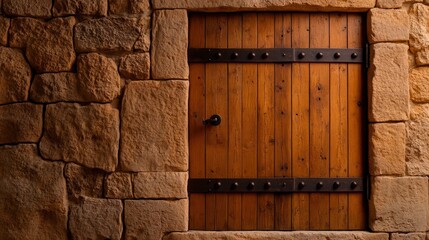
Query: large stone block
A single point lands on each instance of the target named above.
(83, 181)
(112, 33)
(398, 204)
(419, 84)
(306, 5)
(408, 236)
(128, 6)
(419, 32)
(96, 219)
(170, 42)
(388, 25)
(422, 57)
(151, 219)
(22, 122)
(390, 3)
(80, 7)
(15, 76)
(87, 135)
(161, 185)
(387, 149)
(388, 83)
(135, 66)
(119, 185)
(33, 195)
(154, 126)
(4, 29)
(417, 159)
(28, 8)
(56, 87)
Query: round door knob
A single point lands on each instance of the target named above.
(214, 120)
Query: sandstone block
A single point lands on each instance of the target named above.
(417, 148)
(128, 6)
(419, 84)
(170, 42)
(150, 108)
(388, 84)
(28, 8)
(55, 87)
(161, 185)
(119, 185)
(398, 204)
(135, 66)
(22, 29)
(388, 25)
(150, 219)
(390, 3)
(33, 195)
(80, 7)
(408, 236)
(387, 149)
(419, 32)
(111, 33)
(15, 76)
(277, 235)
(84, 181)
(22, 122)
(96, 219)
(98, 78)
(4, 28)
(419, 112)
(422, 57)
(87, 135)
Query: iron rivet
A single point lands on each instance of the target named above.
(252, 55)
(284, 184)
(265, 55)
(234, 55)
(218, 185)
(301, 185)
(301, 55)
(235, 185)
(354, 55)
(337, 55)
(284, 54)
(336, 185)
(353, 185)
(251, 185)
(319, 185)
(319, 55)
(267, 185)
(218, 55)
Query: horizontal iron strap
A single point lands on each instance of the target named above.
(275, 55)
(275, 185)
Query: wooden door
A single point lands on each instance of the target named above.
(278, 120)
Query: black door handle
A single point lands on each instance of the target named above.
(214, 120)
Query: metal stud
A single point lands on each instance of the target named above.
(301, 55)
(234, 55)
(336, 185)
(265, 55)
(267, 185)
(251, 185)
(235, 185)
(252, 55)
(354, 185)
(319, 185)
(218, 55)
(319, 55)
(337, 55)
(354, 55)
(301, 185)
(218, 185)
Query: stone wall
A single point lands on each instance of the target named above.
(93, 118)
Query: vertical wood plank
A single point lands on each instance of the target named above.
(283, 112)
(266, 136)
(250, 125)
(235, 164)
(196, 129)
(338, 208)
(357, 216)
(319, 121)
(300, 121)
(216, 137)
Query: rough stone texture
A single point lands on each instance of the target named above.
(112, 33)
(419, 84)
(22, 29)
(388, 83)
(84, 181)
(96, 219)
(387, 149)
(88, 135)
(148, 109)
(417, 148)
(419, 32)
(327, 5)
(135, 66)
(389, 3)
(419, 112)
(80, 7)
(149, 219)
(119, 185)
(33, 195)
(295, 235)
(128, 6)
(398, 204)
(22, 122)
(408, 236)
(28, 8)
(98, 77)
(15, 76)
(161, 185)
(55, 87)
(4, 28)
(388, 25)
(422, 57)
(170, 42)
